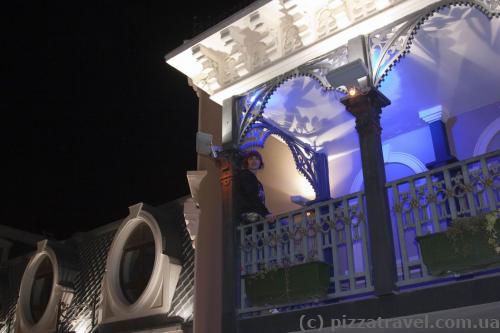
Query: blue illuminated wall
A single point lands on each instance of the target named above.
(466, 128)
(450, 64)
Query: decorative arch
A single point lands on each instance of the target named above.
(254, 130)
(394, 42)
(486, 136)
(252, 105)
(409, 160)
(311, 164)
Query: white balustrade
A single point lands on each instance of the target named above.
(428, 202)
(335, 231)
(332, 231)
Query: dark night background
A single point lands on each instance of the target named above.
(93, 119)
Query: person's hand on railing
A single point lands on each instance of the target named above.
(270, 218)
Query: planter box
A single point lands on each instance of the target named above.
(474, 253)
(284, 285)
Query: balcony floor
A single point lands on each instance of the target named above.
(467, 290)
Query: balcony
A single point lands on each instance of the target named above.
(336, 232)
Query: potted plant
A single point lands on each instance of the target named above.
(287, 284)
(469, 243)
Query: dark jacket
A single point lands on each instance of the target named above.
(246, 194)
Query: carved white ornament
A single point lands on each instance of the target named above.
(191, 205)
(263, 35)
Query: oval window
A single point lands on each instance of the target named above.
(41, 289)
(137, 262)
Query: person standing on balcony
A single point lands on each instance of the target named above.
(249, 193)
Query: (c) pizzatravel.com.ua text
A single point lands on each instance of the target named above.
(317, 322)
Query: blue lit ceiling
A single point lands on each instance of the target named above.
(454, 61)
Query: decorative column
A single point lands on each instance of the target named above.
(437, 117)
(366, 106)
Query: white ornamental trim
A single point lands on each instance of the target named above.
(486, 137)
(222, 72)
(409, 160)
(47, 322)
(433, 114)
(158, 294)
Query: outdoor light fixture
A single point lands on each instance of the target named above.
(350, 76)
(204, 145)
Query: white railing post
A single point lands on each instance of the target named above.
(468, 190)
(255, 265)
(364, 235)
(349, 242)
(265, 246)
(242, 268)
(334, 248)
(431, 201)
(319, 240)
(449, 194)
(291, 238)
(303, 236)
(398, 209)
(492, 203)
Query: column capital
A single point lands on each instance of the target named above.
(435, 113)
(366, 106)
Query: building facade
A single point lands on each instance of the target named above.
(133, 275)
(378, 122)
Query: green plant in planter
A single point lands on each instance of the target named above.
(469, 243)
(490, 226)
(288, 284)
(473, 225)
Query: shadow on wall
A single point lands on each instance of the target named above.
(280, 177)
(478, 128)
(449, 64)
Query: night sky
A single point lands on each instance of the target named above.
(93, 119)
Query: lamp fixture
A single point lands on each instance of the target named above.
(351, 76)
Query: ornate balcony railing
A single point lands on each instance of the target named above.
(336, 232)
(428, 202)
(332, 231)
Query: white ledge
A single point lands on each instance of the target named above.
(433, 114)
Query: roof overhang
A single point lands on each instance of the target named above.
(272, 37)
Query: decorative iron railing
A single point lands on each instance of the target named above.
(335, 231)
(332, 231)
(428, 202)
